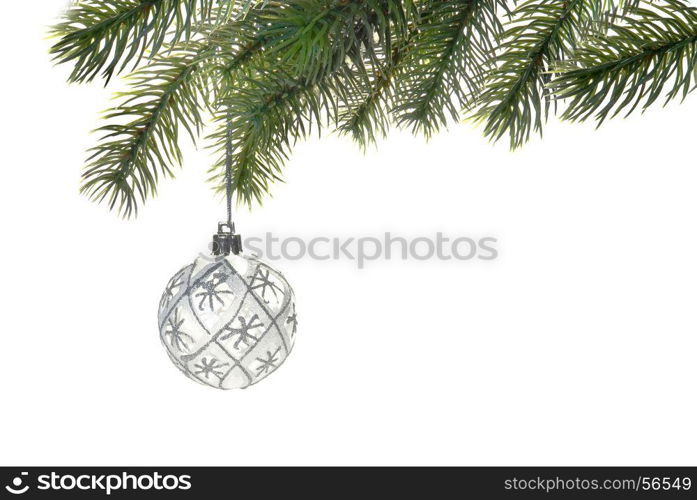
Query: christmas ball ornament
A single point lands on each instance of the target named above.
(228, 320)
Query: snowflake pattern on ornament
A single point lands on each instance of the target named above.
(228, 322)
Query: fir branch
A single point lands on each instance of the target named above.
(652, 53)
(541, 34)
(106, 35)
(315, 36)
(365, 114)
(125, 168)
(291, 76)
(444, 69)
(238, 42)
(264, 119)
(274, 71)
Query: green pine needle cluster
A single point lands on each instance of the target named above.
(262, 75)
(541, 33)
(650, 55)
(142, 143)
(449, 57)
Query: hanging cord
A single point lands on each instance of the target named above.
(228, 170)
(226, 241)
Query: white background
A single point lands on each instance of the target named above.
(577, 346)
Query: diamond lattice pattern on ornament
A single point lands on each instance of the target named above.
(228, 322)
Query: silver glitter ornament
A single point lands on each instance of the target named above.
(228, 321)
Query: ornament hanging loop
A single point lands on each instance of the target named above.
(226, 242)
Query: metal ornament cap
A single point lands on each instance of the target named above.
(226, 241)
(228, 321)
